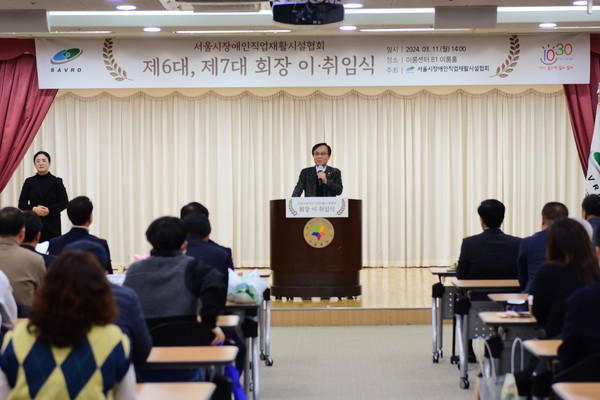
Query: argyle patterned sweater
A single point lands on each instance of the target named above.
(88, 371)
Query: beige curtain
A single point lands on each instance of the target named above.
(420, 159)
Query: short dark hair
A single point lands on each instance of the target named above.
(193, 207)
(492, 213)
(554, 211)
(73, 297)
(316, 146)
(591, 204)
(33, 225)
(196, 224)
(166, 233)
(569, 246)
(11, 221)
(79, 210)
(43, 153)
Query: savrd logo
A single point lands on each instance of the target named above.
(65, 56)
(556, 52)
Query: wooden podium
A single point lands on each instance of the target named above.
(300, 270)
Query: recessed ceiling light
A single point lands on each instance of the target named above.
(152, 29)
(547, 25)
(126, 8)
(353, 5)
(580, 3)
(347, 28)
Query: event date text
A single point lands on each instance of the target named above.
(435, 49)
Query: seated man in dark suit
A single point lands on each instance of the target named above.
(130, 318)
(79, 211)
(581, 329)
(492, 254)
(33, 232)
(198, 246)
(197, 207)
(532, 252)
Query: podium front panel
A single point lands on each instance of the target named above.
(300, 270)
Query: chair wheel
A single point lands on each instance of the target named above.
(436, 358)
(269, 362)
(262, 356)
(464, 383)
(454, 360)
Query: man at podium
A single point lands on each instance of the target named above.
(320, 180)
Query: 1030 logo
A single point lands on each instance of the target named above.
(552, 53)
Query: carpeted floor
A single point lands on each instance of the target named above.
(360, 362)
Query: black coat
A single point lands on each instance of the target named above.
(47, 190)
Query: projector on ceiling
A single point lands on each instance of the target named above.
(311, 12)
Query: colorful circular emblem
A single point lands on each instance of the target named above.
(318, 232)
(67, 55)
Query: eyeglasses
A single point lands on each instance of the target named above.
(320, 154)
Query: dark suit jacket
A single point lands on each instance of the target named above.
(581, 329)
(75, 234)
(226, 250)
(48, 258)
(55, 199)
(211, 254)
(532, 254)
(307, 182)
(131, 321)
(490, 255)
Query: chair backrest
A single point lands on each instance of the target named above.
(587, 370)
(181, 333)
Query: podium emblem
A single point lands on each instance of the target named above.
(318, 232)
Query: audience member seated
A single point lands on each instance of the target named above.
(581, 331)
(194, 207)
(198, 230)
(170, 284)
(590, 211)
(130, 317)
(532, 252)
(24, 269)
(571, 265)
(8, 306)
(79, 211)
(198, 246)
(69, 349)
(492, 254)
(33, 232)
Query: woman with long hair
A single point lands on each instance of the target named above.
(571, 264)
(69, 348)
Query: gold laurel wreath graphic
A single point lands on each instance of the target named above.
(511, 61)
(111, 65)
(291, 207)
(342, 208)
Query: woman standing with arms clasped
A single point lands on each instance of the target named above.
(45, 195)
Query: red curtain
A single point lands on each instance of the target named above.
(23, 106)
(582, 101)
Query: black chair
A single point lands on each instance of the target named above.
(186, 331)
(587, 370)
(180, 333)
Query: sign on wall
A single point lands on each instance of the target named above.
(313, 61)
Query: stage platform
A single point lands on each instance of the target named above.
(390, 296)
